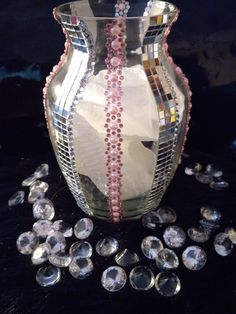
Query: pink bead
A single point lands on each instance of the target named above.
(114, 193)
(114, 78)
(113, 153)
(115, 61)
(113, 125)
(116, 219)
(115, 30)
(121, 6)
(116, 215)
(115, 208)
(114, 201)
(186, 80)
(178, 70)
(113, 110)
(114, 139)
(113, 93)
(114, 164)
(115, 44)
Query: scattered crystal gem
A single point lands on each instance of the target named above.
(43, 209)
(204, 177)
(126, 258)
(48, 276)
(113, 278)
(35, 195)
(27, 242)
(223, 245)
(107, 246)
(141, 278)
(63, 227)
(81, 249)
(167, 259)
(174, 236)
(17, 198)
(231, 232)
(214, 171)
(198, 234)
(210, 213)
(29, 181)
(167, 284)
(209, 226)
(41, 171)
(193, 169)
(80, 268)
(39, 185)
(151, 246)
(40, 254)
(150, 220)
(166, 215)
(60, 259)
(56, 242)
(219, 185)
(83, 228)
(43, 228)
(194, 258)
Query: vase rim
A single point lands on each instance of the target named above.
(171, 9)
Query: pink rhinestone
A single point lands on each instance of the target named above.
(116, 219)
(113, 93)
(114, 193)
(114, 201)
(115, 44)
(113, 110)
(115, 208)
(113, 125)
(114, 139)
(186, 80)
(115, 30)
(121, 6)
(114, 78)
(178, 70)
(115, 61)
(113, 153)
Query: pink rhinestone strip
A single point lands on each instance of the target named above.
(115, 61)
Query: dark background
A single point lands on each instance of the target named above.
(203, 43)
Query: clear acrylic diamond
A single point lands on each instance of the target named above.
(210, 213)
(167, 284)
(174, 236)
(39, 185)
(219, 185)
(231, 232)
(60, 259)
(209, 226)
(107, 246)
(166, 215)
(194, 258)
(81, 268)
(214, 171)
(41, 171)
(35, 195)
(223, 245)
(113, 278)
(126, 258)
(17, 198)
(150, 220)
(141, 278)
(167, 259)
(204, 178)
(40, 254)
(193, 169)
(43, 209)
(48, 276)
(81, 249)
(83, 228)
(29, 181)
(56, 242)
(43, 228)
(27, 242)
(151, 246)
(63, 227)
(198, 234)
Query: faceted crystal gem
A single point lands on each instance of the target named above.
(60, 259)
(40, 254)
(194, 258)
(48, 276)
(43, 209)
(167, 284)
(193, 169)
(166, 215)
(17, 198)
(83, 228)
(29, 181)
(150, 220)
(43, 228)
(39, 185)
(41, 171)
(81, 249)
(231, 232)
(210, 213)
(219, 185)
(56, 242)
(80, 268)
(223, 245)
(126, 258)
(167, 259)
(198, 234)
(27, 242)
(174, 236)
(107, 246)
(141, 278)
(204, 178)
(151, 246)
(35, 195)
(113, 278)
(214, 171)
(63, 227)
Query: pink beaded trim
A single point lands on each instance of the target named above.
(115, 61)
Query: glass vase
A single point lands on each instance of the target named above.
(117, 106)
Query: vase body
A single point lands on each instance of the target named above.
(117, 108)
